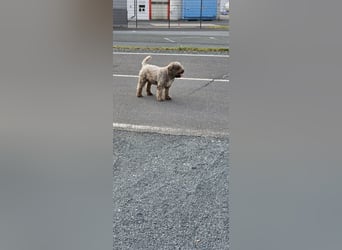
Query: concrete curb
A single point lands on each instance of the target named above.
(169, 131)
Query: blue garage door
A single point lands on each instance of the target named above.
(192, 9)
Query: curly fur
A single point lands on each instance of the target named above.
(163, 77)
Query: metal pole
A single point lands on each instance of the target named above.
(136, 13)
(169, 12)
(201, 14)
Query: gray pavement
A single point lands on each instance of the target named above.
(171, 165)
(199, 99)
(171, 38)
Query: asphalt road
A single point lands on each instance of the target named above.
(165, 38)
(199, 98)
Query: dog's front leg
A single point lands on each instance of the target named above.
(167, 97)
(160, 93)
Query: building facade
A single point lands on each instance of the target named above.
(165, 10)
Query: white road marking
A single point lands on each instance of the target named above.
(127, 76)
(168, 39)
(183, 78)
(167, 130)
(168, 54)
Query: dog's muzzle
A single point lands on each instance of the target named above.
(179, 74)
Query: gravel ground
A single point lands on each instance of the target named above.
(170, 192)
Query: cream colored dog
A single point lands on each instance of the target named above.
(163, 77)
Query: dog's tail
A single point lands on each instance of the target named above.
(147, 58)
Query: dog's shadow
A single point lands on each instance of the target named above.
(177, 101)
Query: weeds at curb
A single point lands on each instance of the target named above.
(179, 48)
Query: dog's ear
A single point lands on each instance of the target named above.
(174, 67)
(170, 67)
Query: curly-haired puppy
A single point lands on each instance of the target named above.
(163, 77)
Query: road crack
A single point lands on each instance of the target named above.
(202, 87)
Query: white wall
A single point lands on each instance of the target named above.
(142, 9)
(175, 9)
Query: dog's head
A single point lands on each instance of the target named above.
(175, 70)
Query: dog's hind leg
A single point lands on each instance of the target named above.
(141, 84)
(148, 88)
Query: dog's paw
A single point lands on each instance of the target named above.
(168, 98)
(149, 93)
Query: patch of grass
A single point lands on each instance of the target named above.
(179, 48)
(221, 27)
